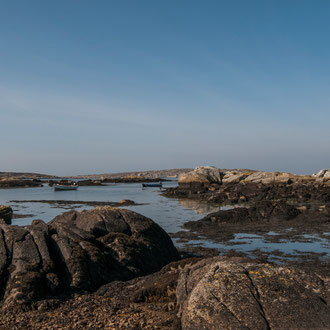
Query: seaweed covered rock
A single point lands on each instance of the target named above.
(260, 213)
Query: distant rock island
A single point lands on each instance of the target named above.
(149, 174)
(24, 175)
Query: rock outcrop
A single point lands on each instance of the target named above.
(263, 211)
(17, 183)
(202, 174)
(222, 225)
(78, 252)
(6, 214)
(325, 174)
(243, 187)
(269, 177)
(220, 294)
(234, 177)
(200, 180)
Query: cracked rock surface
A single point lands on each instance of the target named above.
(219, 294)
(78, 252)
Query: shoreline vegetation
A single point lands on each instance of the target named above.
(116, 268)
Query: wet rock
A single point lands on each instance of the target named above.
(127, 202)
(6, 214)
(60, 203)
(273, 210)
(263, 211)
(78, 252)
(220, 294)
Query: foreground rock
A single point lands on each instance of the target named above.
(213, 293)
(147, 302)
(218, 294)
(78, 252)
(6, 214)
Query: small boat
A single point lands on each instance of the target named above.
(152, 185)
(61, 187)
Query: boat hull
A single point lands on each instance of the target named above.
(64, 188)
(145, 185)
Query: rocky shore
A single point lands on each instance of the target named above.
(113, 268)
(258, 202)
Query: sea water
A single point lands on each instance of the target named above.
(169, 213)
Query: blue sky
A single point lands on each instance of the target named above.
(107, 86)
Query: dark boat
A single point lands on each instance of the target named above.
(144, 185)
(60, 187)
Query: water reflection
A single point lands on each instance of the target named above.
(197, 206)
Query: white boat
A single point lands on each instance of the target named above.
(61, 187)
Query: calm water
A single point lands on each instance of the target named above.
(170, 214)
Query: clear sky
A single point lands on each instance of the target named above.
(105, 86)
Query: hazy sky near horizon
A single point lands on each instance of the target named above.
(108, 86)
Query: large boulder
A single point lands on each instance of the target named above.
(220, 294)
(6, 214)
(79, 252)
(202, 174)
